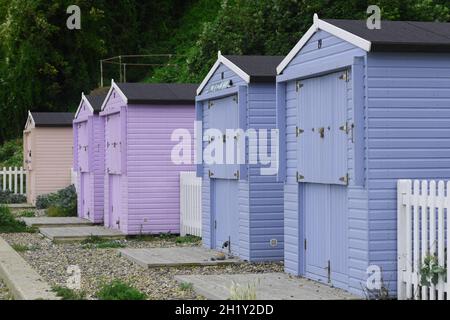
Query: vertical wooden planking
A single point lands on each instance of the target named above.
(432, 208)
(439, 203)
(10, 178)
(441, 244)
(403, 195)
(424, 222)
(4, 178)
(409, 256)
(416, 239)
(16, 173)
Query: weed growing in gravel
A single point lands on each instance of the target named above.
(69, 294)
(186, 286)
(22, 248)
(188, 239)
(9, 224)
(96, 242)
(27, 214)
(243, 292)
(118, 290)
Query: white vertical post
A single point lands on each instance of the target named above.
(10, 179)
(424, 221)
(4, 178)
(416, 235)
(16, 173)
(441, 244)
(21, 180)
(403, 191)
(447, 207)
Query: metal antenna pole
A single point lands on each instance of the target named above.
(101, 73)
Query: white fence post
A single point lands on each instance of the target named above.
(190, 204)
(13, 179)
(422, 232)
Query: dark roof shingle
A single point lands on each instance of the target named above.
(52, 119)
(158, 93)
(401, 36)
(96, 101)
(259, 68)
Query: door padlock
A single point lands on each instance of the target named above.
(322, 132)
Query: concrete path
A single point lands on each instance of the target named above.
(23, 282)
(71, 234)
(269, 286)
(174, 257)
(49, 222)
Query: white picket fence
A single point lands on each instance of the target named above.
(13, 179)
(190, 204)
(423, 232)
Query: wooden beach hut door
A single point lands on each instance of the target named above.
(113, 168)
(322, 138)
(225, 205)
(83, 162)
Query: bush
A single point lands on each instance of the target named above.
(7, 197)
(118, 290)
(69, 294)
(60, 204)
(8, 224)
(11, 154)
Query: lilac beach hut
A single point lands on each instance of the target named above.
(89, 157)
(141, 180)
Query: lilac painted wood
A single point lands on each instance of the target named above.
(141, 180)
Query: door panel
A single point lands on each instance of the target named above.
(226, 214)
(83, 147)
(113, 144)
(87, 195)
(114, 201)
(322, 136)
(28, 155)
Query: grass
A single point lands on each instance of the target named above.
(188, 239)
(9, 224)
(27, 214)
(243, 292)
(118, 290)
(169, 237)
(186, 286)
(69, 294)
(96, 242)
(22, 248)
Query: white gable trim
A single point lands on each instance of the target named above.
(85, 100)
(30, 117)
(222, 60)
(114, 86)
(328, 27)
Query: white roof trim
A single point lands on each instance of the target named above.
(83, 99)
(328, 27)
(114, 86)
(229, 64)
(30, 116)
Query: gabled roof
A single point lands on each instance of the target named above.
(154, 93)
(52, 119)
(249, 68)
(94, 100)
(394, 36)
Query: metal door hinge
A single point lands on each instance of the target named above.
(215, 224)
(210, 104)
(305, 245)
(344, 179)
(299, 177)
(345, 76)
(210, 174)
(236, 174)
(236, 99)
(298, 86)
(298, 131)
(345, 128)
(224, 138)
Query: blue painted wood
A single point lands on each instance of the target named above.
(259, 199)
(281, 126)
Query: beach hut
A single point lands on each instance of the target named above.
(89, 157)
(47, 152)
(358, 109)
(242, 205)
(142, 179)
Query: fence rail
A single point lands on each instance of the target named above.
(423, 236)
(190, 204)
(13, 179)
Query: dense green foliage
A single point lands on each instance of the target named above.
(118, 290)
(63, 203)
(45, 66)
(9, 224)
(8, 197)
(69, 294)
(11, 153)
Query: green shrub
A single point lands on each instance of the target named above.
(188, 239)
(22, 248)
(69, 294)
(9, 224)
(11, 154)
(27, 214)
(118, 290)
(96, 242)
(8, 197)
(60, 204)
(186, 286)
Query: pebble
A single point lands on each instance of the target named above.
(103, 265)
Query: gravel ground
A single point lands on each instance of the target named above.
(102, 265)
(4, 292)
